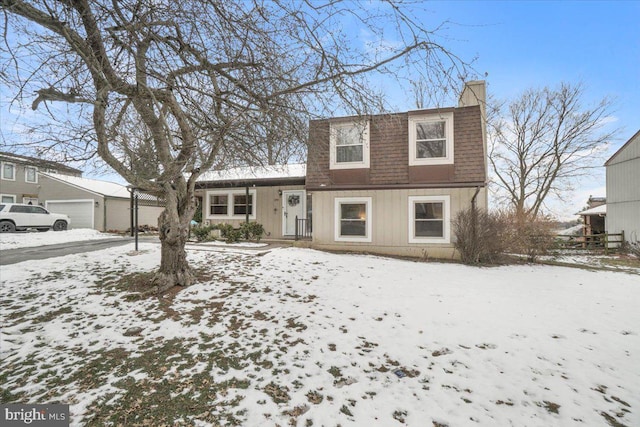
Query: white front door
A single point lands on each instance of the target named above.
(293, 204)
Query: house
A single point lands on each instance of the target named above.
(89, 203)
(593, 218)
(623, 190)
(274, 196)
(393, 183)
(19, 177)
(92, 203)
(388, 184)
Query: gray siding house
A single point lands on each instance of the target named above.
(623, 190)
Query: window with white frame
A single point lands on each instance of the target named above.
(429, 219)
(31, 174)
(431, 139)
(7, 198)
(349, 145)
(231, 204)
(353, 222)
(8, 171)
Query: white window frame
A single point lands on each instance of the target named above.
(368, 224)
(13, 196)
(230, 193)
(333, 156)
(2, 164)
(35, 174)
(446, 217)
(448, 129)
(34, 200)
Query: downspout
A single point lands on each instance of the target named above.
(104, 214)
(473, 199)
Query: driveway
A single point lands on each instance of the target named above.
(13, 256)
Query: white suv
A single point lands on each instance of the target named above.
(17, 216)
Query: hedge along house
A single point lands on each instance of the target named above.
(392, 183)
(91, 203)
(271, 195)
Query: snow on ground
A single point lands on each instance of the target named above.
(29, 239)
(301, 337)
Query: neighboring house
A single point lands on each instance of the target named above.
(393, 183)
(623, 190)
(19, 180)
(593, 219)
(276, 196)
(91, 203)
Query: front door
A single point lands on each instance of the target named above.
(293, 204)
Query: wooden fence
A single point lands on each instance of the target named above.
(609, 242)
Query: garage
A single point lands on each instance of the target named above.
(80, 212)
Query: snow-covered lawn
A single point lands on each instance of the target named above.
(301, 337)
(34, 238)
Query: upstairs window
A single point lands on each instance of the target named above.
(349, 145)
(8, 171)
(431, 139)
(31, 174)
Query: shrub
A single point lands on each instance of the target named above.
(225, 229)
(203, 233)
(528, 235)
(479, 236)
(633, 248)
(252, 231)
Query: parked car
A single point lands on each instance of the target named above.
(18, 216)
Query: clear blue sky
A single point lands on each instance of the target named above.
(520, 45)
(535, 44)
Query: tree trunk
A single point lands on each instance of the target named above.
(174, 267)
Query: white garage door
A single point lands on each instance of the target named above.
(80, 212)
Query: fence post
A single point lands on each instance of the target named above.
(296, 228)
(606, 244)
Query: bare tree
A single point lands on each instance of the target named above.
(165, 90)
(542, 142)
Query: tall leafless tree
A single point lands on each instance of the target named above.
(164, 90)
(543, 141)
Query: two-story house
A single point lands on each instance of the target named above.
(19, 177)
(392, 183)
(388, 184)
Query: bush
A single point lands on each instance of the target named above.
(479, 236)
(203, 233)
(528, 235)
(633, 248)
(252, 231)
(225, 229)
(233, 235)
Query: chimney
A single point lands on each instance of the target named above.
(473, 93)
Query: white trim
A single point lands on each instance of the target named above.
(368, 224)
(230, 193)
(8, 195)
(303, 201)
(33, 200)
(91, 201)
(35, 181)
(2, 171)
(448, 129)
(446, 217)
(333, 163)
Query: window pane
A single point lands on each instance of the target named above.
(31, 174)
(349, 153)
(353, 211)
(353, 228)
(428, 210)
(38, 210)
(428, 149)
(429, 228)
(430, 130)
(7, 171)
(219, 205)
(348, 135)
(240, 204)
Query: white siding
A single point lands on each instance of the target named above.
(623, 192)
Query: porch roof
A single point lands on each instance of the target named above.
(258, 176)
